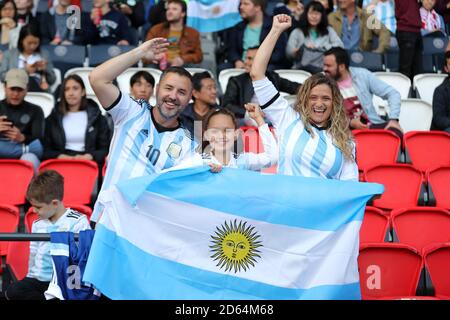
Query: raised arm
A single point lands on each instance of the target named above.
(101, 78)
(280, 23)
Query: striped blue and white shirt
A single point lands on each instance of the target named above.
(138, 148)
(40, 265)
(384, 12)
(302, 154)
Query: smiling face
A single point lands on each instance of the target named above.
(207, 92)
(173, 95)
(320, 104)
(221, 133)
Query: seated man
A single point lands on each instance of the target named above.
(185, 48)
(441, 101)
(357, 28)
(204, 94)
(21, 122)
(240, 91)
(357, 86)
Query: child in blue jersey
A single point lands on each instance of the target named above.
(220, 136)
(313, 136)
(45, 193)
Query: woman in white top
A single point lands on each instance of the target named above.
(313, 136)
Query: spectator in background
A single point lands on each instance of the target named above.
(30, 57)
(134, 10)
(293, 8)
(76, 129)
(9, 30)
(407, 14)
(24, 12)
(112, 26)
(157, 13)
(329, 5)
(21, 122)
(432, 23)
(357, 29)
(53, 26)
(250, 33)
(441, 101)
(384, 11)
(240, 91)
(314, 36)
(443, 8)
(204, 94)
(185, 47)
(141, 85)
(357, 86)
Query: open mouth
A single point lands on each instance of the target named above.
(320, 111)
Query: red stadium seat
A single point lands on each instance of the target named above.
(375, 147)
(374, 226)
(403, 185)
(421, 226)
(32, 216)
(79, 178)
(388, 270)
(427, 150)
(17, 258)
(15, 177)
(439, 186)
(252, 142)
(437, 262)
(9, 222)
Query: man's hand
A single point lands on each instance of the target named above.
(14, 135)
(65, 156)
(5, 125)
(357, 124)
(239, 64)
(86, 156)
(393, 124)
(255, 112)
(154, 49)
(281, 22)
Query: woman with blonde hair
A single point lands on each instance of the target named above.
(314, 138)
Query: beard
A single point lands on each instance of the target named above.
(169, 114)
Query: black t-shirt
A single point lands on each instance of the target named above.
(27, 117)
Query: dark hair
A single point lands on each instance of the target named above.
(45, 187)
(5, 2)
(260, 3)
(322, 27)
(197, 79)
(181, 3)
(222, 111)
(62, 104)
(28, 30)
(341, 55)
(142, 74)
(447, 55)
(178, 70)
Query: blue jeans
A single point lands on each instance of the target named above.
(31, 152)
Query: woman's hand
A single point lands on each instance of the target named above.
(255, 112)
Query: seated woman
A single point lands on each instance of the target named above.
(30, 57)
(313, 136)
(76, 129)
(9, 30)
(307, 43)
(433, 24)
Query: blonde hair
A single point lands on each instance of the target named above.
(338, 122)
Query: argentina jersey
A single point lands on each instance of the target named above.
(300, 153)
(138, 148)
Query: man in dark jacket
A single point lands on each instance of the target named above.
(21, 122)
(441, 102)
(239, 89)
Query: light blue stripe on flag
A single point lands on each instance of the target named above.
(214, 24)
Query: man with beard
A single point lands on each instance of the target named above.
(146, 139)
(357, 86)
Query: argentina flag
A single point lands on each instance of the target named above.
(212, 15)
(193, 234)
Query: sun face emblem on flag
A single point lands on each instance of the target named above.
(235, 246)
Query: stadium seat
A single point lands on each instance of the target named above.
(388, 270)
(66, 57)
(375, 147)
(57, 82)
(193, 71)
(391, 61)
(415, 114)
(439, 62)
(427, 63)
(374, 226)
(9, 223)
(403, 185)
(437, 262)
(395, 79)
(421, 226)
(226, 74)
(84, 74)
(427, 150)
(439, 187)
(15, 177)
(79, 178)
(30, 217)
(17, 259)
(45, 100)
(299, 76)
(81, 209)
(251, 140)
(98, 54)
(2, 91)
(426, 83)
(369, 60)
(432, 45)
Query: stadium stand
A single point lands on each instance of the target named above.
(437, 262)
(17, 259)
(15, 177)
(415, 114)
(439, 187)
(9, 222)
(375, 226)
(44, 100)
